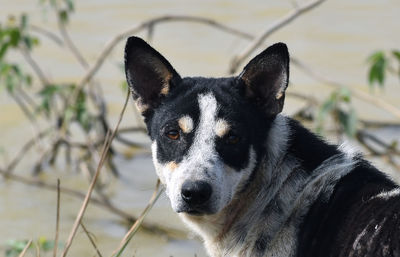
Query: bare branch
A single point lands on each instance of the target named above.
(57, 220)
(128, 236)
(149, 23)
(357, 93)
(70, 44)
(27, 98)
(91, 240)
(85, 203)
(52, 36)
(237, 60)
(24, 109)
(35, 66)
(26, 248)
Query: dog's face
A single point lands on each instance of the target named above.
(207, 134)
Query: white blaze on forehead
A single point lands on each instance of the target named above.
(203, 144)
(186, 124)
(221, 127)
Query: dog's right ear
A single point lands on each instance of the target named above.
(149, 75)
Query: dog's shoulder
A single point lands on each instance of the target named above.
(361, 218)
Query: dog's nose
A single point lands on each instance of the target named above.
(196, 192)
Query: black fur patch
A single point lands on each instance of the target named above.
(260, 245)
(308, 148)
(331, 228)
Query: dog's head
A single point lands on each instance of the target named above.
(207, 133)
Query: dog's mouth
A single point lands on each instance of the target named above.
(194, 211)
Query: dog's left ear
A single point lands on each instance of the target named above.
(266, 78)
(149, 75)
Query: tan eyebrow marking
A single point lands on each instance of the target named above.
(221, 127)
(172, 165)
(186, 124)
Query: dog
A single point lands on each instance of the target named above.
(249, 180)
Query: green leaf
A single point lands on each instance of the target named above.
(70, 5)
(348, 120)
(24, 21)
(63, 15)
(15, 247)
(378, 67)
(45, 244)
(345, 94)
(81, 112)
(328, 105)
(15, 36)
(50, 90)
(48, 93)
(10, 83)
(28, 80)
(326, 108)
(396, 54)
(3, 49)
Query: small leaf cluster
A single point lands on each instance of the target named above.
(15, 247)
(78, 111)
(338, 106)
(381, 63)
(64, 8)
(14, 36)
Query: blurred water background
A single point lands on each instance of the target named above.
(335, 39)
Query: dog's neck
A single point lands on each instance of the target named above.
(263, 218)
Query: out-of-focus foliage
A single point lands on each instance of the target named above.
(14, 35)
(381, 64)
(339, 107)
(64, 8)
(15, 247)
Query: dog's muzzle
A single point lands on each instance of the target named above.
(196, 195)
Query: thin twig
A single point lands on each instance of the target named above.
(39, 183)
(378, 141)
(69, 43)
(35, 66)
(389, 150)
(355, 92)
(26, 248)
(57, 220)
(94, 180)
(27, 98)
(28, 145)
(128, 142)
(91, 239)
(238, 59)
(121, 36)
(132, 130)
(37, 246)
(28, 114)
(128, 236)
(379, 124)
(47, 34)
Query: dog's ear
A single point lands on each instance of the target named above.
(266, 78)
(149, 75)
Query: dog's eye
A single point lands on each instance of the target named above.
(232, 139)
(172, 134)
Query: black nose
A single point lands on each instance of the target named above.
(196, 192)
